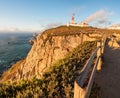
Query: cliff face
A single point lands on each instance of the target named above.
(46, 50)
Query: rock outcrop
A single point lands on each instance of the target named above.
(46, 50)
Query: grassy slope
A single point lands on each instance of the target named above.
(57, 82)
(8, 74)
(64, 30)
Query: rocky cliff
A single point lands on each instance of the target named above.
(48, 47)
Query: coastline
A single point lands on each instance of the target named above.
(13, 47)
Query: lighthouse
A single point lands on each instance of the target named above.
(72, 23)
(73, 19)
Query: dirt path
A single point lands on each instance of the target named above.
(109, 78)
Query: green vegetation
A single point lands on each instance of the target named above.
(57, 82)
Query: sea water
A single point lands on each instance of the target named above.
(13, 47)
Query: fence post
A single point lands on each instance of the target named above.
(99, 55)
(81, 37)
(79, 92)
(102, 45)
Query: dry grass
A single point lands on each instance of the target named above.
(64, 30)
(8, 74)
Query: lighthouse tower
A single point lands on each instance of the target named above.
(73, 19)
(72, 22)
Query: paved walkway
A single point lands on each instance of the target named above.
(109, 78)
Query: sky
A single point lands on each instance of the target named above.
(38, 15)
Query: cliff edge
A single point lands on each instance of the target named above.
(48, 47)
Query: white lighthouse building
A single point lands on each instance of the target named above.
(72, 23)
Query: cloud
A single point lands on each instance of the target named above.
(102, 22)
(52, 25)
(13, 29)
(99, 15)
(10, 29)
(78, 9)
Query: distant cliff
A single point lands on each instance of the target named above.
(48, 47)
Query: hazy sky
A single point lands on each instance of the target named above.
(37, 15)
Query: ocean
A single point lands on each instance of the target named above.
(13, 47)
